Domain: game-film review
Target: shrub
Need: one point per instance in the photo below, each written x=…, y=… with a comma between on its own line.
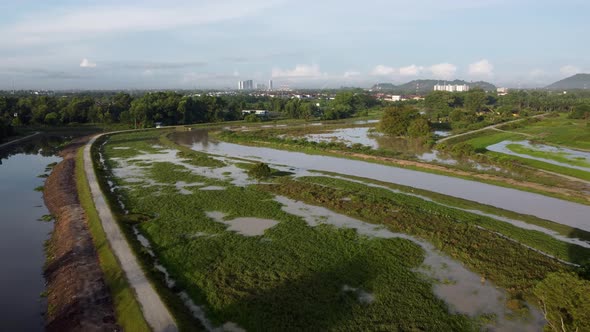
x=260, y=171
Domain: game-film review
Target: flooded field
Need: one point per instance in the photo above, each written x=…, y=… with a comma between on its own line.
x=568, y=213
x=462, y=289
x=23, y=235
x=244, y=234
x=550, y=154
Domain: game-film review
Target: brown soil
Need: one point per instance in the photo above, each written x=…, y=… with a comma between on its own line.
x=78, y=298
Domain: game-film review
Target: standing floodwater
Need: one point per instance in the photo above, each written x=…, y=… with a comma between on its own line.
x=23, y=236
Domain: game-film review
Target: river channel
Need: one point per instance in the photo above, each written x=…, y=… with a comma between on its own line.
x=560, y=211
x=22, y=234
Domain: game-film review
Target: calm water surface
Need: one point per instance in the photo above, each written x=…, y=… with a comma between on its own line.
x=22, y=237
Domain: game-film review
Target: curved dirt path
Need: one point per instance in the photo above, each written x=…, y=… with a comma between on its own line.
x=154, y=310
x=486, y=128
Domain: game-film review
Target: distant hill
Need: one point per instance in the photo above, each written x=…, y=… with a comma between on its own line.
x=383, y=87
x=426, y=86
x=578, y=81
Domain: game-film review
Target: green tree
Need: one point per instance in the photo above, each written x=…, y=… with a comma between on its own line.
x=396, y=120
x=419, y=128
x=475, y=100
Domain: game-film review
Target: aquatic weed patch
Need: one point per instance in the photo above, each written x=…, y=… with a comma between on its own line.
x=290, y=278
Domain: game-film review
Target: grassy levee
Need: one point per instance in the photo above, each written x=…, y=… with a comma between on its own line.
x=561, y=229
x=507, y=263
x=182, y=315
x=340, y=150
x=127, y=309
x=290, y=278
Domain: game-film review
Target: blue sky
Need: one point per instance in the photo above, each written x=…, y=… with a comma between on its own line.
x=109, y=44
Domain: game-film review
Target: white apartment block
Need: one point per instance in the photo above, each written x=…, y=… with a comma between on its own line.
x=452, y=87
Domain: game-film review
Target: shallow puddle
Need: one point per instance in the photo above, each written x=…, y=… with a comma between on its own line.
x=247, y=226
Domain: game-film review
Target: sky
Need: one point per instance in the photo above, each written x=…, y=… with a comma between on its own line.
x=181, y=44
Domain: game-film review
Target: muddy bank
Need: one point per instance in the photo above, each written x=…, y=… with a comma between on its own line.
x=78, y=298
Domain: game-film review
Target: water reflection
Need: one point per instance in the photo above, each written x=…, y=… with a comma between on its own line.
x=564, y=212
x=21, y=234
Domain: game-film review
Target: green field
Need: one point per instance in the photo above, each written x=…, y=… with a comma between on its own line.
x=293, y=276
x=560, y=131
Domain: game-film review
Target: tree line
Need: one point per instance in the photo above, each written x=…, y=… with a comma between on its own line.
x=169, y=108
x=476, y=108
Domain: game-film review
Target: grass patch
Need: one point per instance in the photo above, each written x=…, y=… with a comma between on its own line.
x=560, y=131
x=127, y=309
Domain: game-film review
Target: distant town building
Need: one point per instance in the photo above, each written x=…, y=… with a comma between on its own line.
x=396, y=98
x=452, y=87
x=246, y=85
x=502, y=91
x=257, y=112
x=260, y=86
x=270, y=85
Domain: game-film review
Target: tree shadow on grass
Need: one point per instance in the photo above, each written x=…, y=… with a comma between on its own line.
x=316, y=302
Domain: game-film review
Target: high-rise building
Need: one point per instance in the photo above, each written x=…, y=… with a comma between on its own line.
x=246, y=85
x=270, y=84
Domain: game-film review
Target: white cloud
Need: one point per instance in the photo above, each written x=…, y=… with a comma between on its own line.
x=569, y=70
x=537, y=73
x=300, y=71
x=443, y=70
x=87, y=63
x=411, y=70
x=482, y=68
x=351, y=73
x=86, y=22
x=382, y=70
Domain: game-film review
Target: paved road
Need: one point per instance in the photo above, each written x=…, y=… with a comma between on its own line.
x=485, y=128
x=154, y=310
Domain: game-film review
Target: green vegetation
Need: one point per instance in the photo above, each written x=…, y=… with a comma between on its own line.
x=291, y=278
x=260, y=171
x=454, y=232
x=47, y=218
x=403, y=121
x=127, y=309
x=564, y=300
x=560, y=130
